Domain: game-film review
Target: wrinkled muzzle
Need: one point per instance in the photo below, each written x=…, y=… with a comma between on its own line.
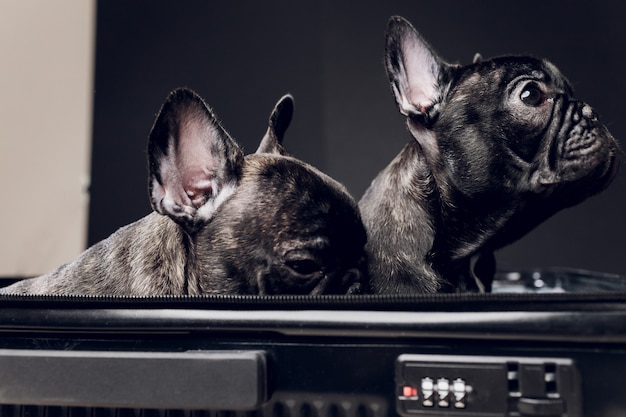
x=586, y=148
x=584, y=153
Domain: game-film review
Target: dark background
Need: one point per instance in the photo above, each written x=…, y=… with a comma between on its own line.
x=241, y=56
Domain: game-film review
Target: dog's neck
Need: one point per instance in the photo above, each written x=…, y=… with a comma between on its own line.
x=160, y=235
x=425, y=225
x=397, y=213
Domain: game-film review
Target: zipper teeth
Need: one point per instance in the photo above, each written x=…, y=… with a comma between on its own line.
x=407, y=302
x=417, y=302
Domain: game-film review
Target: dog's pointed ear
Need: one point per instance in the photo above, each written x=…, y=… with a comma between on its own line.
x=478, y=58
x=194, y=164
x=279, y=122
x=414, y=69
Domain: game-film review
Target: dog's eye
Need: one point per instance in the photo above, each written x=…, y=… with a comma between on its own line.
x=303, y=266
x=532, y=95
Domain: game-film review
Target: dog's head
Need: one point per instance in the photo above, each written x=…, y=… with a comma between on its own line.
x=502, y=134
x=265, y=223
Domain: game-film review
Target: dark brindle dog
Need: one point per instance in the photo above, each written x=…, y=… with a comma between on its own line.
x=499, y=146
x=261, y=224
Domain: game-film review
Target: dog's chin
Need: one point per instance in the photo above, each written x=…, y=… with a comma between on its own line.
x=588, y=168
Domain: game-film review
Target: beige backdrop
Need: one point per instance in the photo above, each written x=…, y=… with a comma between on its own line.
x=46, y=66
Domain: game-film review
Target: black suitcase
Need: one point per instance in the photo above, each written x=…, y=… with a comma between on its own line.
x=544, y=343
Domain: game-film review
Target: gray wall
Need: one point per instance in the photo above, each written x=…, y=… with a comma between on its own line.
x=243, y=55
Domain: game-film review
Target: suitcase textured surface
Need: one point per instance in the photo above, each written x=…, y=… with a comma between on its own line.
x=555, y=348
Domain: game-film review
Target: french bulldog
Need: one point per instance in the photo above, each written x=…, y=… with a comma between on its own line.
x=223, y=223
x=498, y=146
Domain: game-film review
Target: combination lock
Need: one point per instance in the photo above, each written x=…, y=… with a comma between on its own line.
x=441, y=385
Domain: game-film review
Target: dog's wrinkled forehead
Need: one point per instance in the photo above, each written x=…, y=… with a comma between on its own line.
x=501, y=71
x=295, y=194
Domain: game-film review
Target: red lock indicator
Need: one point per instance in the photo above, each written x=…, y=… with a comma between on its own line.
x=409, y=391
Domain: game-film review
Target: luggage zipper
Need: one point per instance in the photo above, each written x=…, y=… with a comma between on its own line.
x=383, y=302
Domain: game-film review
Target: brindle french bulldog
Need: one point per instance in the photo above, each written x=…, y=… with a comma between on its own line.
x=265, y=223
x=498, y=146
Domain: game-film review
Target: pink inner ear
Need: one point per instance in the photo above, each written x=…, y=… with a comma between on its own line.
x=198, y=186
x=196, y=164
x=421, y=73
